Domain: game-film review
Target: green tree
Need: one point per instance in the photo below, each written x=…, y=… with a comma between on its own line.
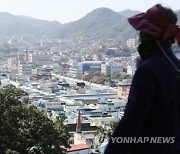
x=24, y=129
x=86, y=77
x=121, y=75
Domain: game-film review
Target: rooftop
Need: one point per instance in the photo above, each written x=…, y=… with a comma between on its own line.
x=78, y=147
x=84, y=126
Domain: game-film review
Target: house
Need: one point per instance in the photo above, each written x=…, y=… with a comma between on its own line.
x=124, y=88
x=79, y=149
x=81, y=133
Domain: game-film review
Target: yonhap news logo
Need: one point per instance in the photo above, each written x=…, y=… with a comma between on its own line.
x=158, y=140
x=99, y=139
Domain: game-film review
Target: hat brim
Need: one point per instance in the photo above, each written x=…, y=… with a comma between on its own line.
x=141, y=23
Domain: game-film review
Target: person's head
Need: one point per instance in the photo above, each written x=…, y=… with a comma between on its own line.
x=157, y=23
x=172, y=17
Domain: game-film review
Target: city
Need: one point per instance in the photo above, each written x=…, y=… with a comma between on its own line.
x=56, y=80
x=66, y=85
x=65, y=78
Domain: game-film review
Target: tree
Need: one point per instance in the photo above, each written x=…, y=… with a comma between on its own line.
x=116, y=75
x=24, y=129
x=121, y=75
x=97, y=79
x=86, y=77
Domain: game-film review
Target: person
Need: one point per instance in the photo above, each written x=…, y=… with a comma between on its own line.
x=151, y=121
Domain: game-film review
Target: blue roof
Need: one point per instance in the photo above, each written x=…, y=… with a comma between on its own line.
x=87, y=98
x=42, y=105
x=59, y=112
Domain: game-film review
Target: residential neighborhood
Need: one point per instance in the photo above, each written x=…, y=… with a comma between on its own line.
x=55, y=74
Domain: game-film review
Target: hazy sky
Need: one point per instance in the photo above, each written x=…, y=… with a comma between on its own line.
x=69, y=10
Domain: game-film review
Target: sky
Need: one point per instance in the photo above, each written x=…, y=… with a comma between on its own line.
x=66, y=11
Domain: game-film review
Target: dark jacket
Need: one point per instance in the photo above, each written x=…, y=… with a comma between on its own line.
x=152, y=110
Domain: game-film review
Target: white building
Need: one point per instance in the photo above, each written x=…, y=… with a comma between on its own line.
x=12, y=61
x=40, y=59
x=102, y=121
x=111, y=67
x=25, y=69
x=131, y=43
x=74, y=73
x=84, y=138
x=21, y=58
x=116, y=67
x=130, y=70
x=105, y=68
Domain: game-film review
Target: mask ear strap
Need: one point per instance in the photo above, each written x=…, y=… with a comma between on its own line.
x=167, y=57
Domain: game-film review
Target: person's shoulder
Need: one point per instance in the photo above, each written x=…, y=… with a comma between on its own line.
x=152, y=66
x=145, y=69
x=148, y=64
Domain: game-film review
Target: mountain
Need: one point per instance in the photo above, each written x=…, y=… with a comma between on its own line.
x=98, y=24
x=128, y=13
x=178, y=15
x=101, y=23
x=17, y=25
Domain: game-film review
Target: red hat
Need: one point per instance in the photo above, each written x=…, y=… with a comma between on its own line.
x=156, y=24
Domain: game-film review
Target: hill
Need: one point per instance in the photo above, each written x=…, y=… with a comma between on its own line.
x=98, y=24
x=101, y=23
x=178, y=15
x=128, y=13
x=17, y=25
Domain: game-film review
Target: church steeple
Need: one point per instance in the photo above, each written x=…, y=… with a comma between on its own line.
x=78, y=125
